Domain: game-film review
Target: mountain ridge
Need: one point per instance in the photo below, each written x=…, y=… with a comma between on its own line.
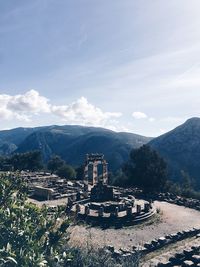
x=180, y=147
x=72, y=142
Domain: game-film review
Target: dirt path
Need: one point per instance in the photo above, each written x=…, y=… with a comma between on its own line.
x=173, y=218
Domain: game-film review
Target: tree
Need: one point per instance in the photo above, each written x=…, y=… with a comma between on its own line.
x=187, y=181
x=29, y=236
x=146, y=169
x=55, y=163
x=80, y=172
x=26, y=161
x=66, y=171
x=33, y=160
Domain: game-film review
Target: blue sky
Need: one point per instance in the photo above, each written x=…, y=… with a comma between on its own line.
x=126, y=65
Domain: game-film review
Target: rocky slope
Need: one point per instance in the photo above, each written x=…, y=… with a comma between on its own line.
x=181, y=149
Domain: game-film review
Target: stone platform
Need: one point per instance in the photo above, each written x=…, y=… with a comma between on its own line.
x=113, y=212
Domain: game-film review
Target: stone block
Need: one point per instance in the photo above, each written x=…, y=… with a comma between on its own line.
x=162, y=240
x=187, y=232
x=180, y=255
x=117, y=253
x=196, y=230
x=101, y=211
x=129, y=211
x=134, y=247
x=168, y=237
x=188, y=264
x=138, y=209
x=116, y=212
x=196, y=258
x=124, y=250
x=149, y=246
x=126, y=255
x=110, y=248
x=165, y=264
x=174, y=260
x=188, y=252
x=155, y=244
x=174, y=237
x=78, y=208
x=195, y=248
x=87, y=210
x=146, y=207
x=141, y=249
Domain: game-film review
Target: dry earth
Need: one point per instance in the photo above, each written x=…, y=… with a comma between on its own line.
x=172, y=218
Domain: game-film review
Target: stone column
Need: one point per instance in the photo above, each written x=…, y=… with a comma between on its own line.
x=138, y=209
x=87, y=210
x=105, y=172
x=78, y=208
x=129, y=211
x=116, y=212
x=83, y=209
x=95, y=173
x=151, y=203
x=86, y=175
x=101, y=211
x=146, y=207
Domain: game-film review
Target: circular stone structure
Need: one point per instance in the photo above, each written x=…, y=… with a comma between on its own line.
x=121, y=209
x=113, y=212
x=107, y=205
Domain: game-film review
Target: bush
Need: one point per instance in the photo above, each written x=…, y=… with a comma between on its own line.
x=100, y=258
x=29, y=237
x=66, y=171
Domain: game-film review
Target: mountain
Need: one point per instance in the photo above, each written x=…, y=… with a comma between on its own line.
x=72, y=143
x=10, y=139
x=181, y=149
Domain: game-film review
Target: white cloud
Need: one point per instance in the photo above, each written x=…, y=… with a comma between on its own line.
x=24, y=106
x=84, y=113
x=139, y=115
x=31, y=101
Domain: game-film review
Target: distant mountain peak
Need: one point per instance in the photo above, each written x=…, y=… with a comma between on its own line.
x=192, y=121
x=181, y=149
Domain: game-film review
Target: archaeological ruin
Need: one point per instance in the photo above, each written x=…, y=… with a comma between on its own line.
x=92, y=199
x=106, y=204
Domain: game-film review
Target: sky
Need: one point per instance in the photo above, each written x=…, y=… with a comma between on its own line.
x=126, y=65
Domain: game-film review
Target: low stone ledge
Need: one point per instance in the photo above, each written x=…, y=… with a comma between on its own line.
x=196, y=259
x=165, y=264
x=188, y=263
x=155, y=244
x=188, y=252
x=117, y=253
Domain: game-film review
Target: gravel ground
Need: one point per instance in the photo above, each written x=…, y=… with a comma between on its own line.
x=171, y=219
